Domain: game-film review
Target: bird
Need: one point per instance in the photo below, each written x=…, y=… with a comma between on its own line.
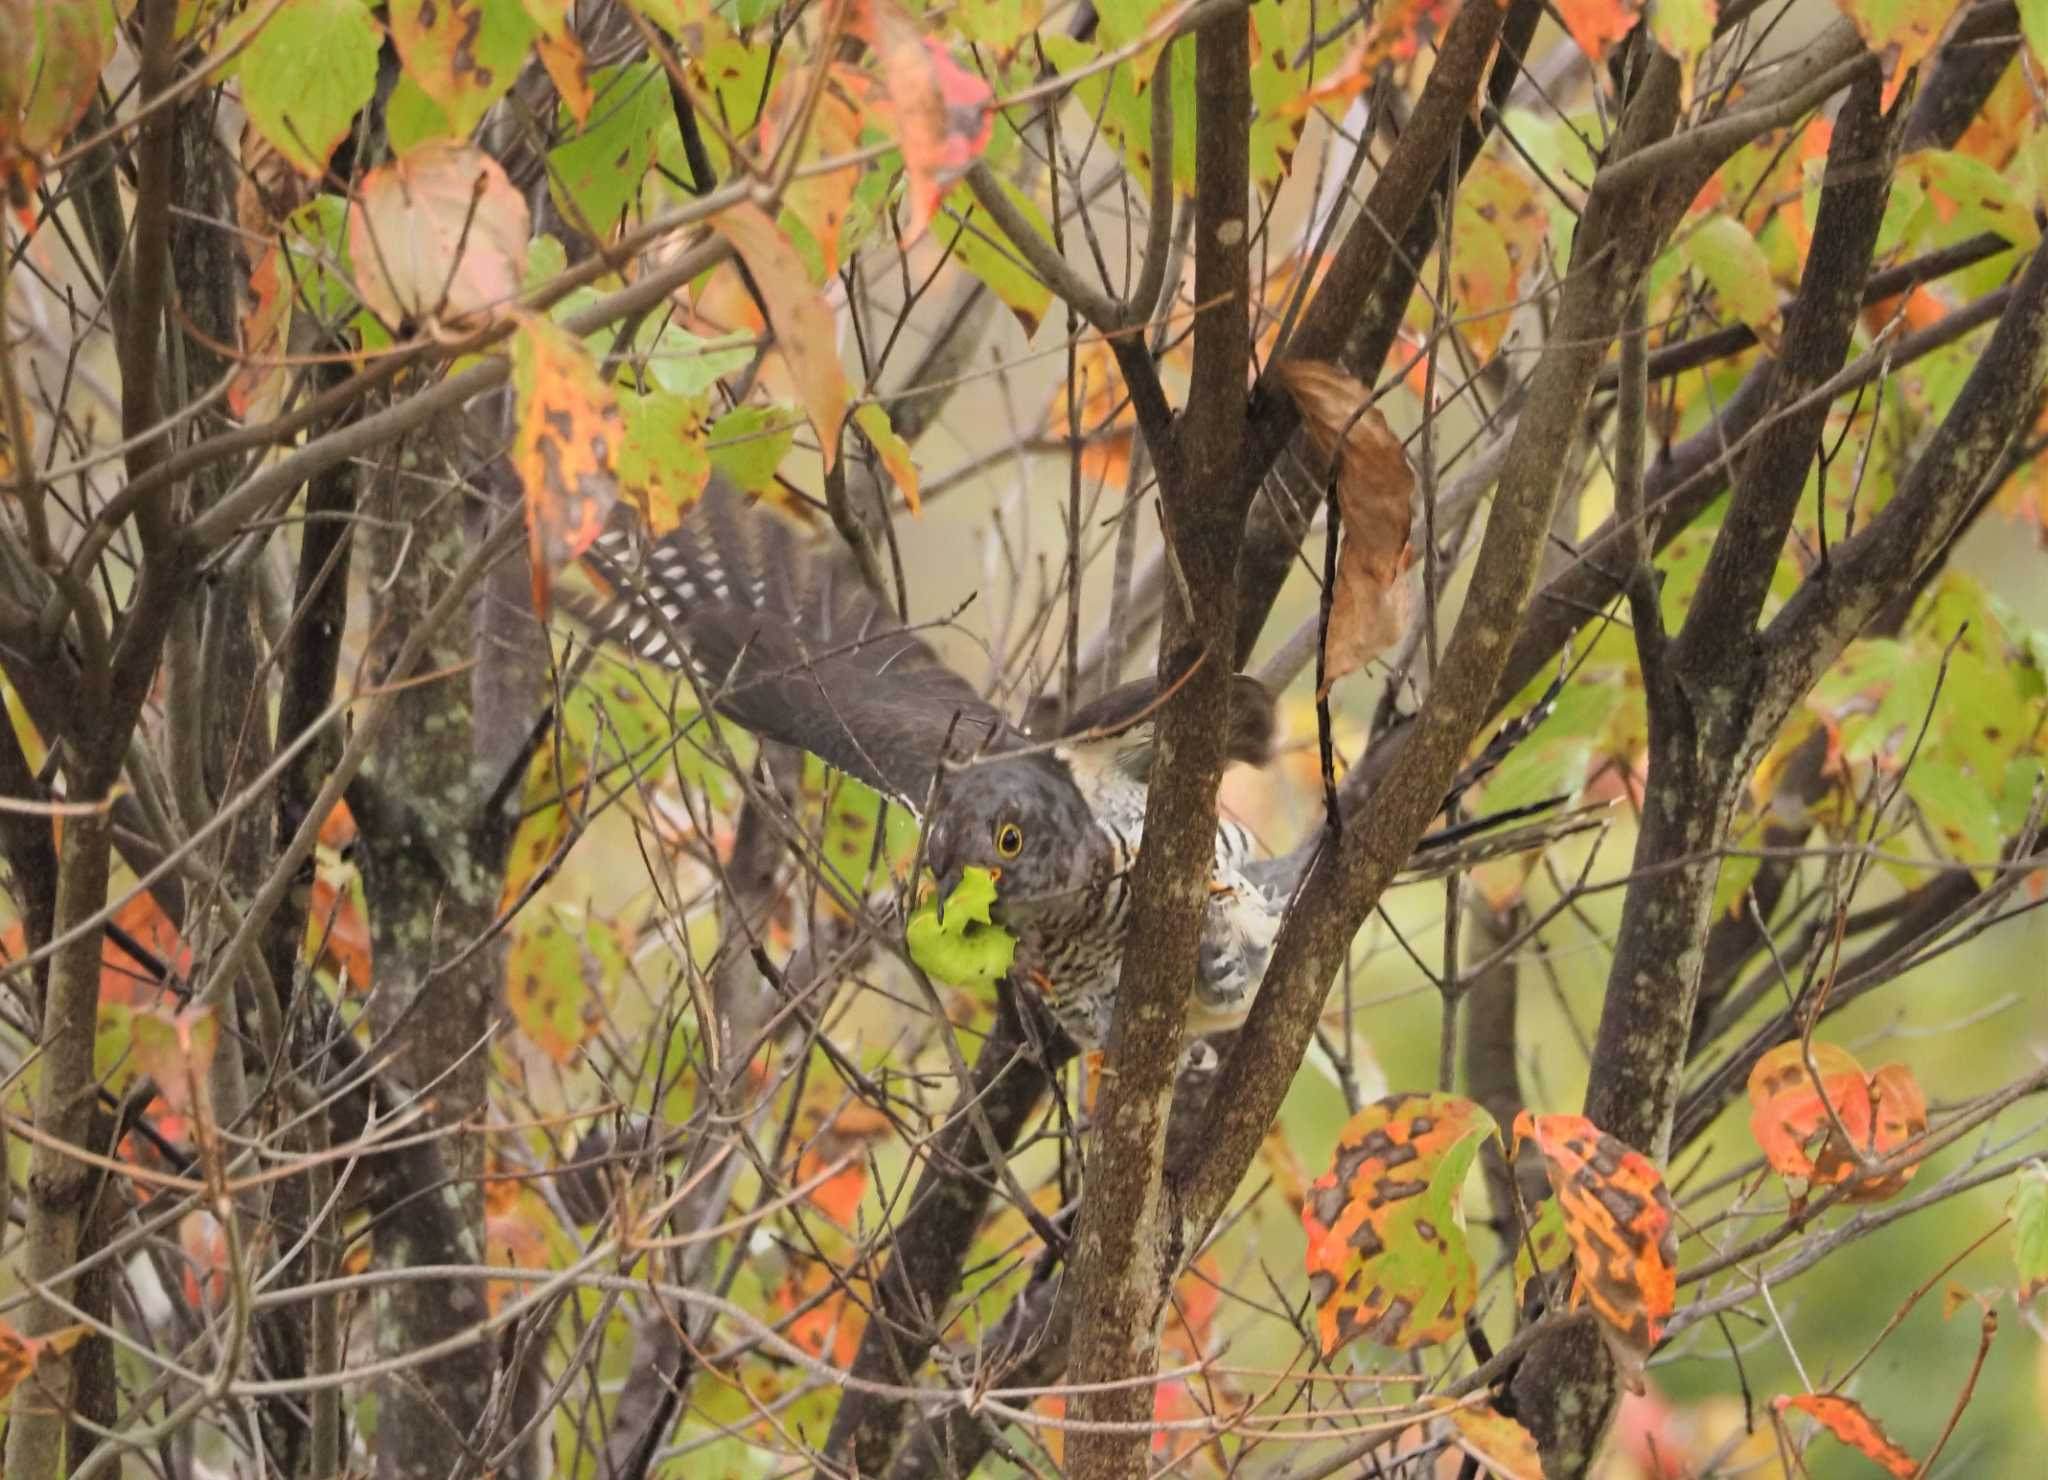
x=798, y=648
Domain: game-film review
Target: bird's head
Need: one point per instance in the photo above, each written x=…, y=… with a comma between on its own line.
x=1021, y=818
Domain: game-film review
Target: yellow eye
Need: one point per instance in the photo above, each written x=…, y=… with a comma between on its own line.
x=1009, y=839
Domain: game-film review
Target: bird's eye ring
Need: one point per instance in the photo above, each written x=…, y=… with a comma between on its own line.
x=1009, y=839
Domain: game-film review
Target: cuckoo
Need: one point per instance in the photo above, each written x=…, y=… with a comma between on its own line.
x=798, y=649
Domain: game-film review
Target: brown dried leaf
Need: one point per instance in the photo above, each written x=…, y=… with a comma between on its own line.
x=1369, y=607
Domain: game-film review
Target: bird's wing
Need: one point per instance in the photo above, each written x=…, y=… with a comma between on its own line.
x=790, y=646
x=1123, y=720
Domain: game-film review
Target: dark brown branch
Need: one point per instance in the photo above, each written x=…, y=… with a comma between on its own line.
x=1116, y=1285
x=931, y=1242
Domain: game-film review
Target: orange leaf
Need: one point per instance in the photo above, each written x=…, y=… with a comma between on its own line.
x=19, y=1354
x=337, y=930
x=516, y=1223
x=805, y=331
x=566, y=435
x=1800, y=1138
x=561, y=53
x=829, y=1328
x=1846, y=1420
x=1623, y=1228
x=438, y=236
x=258, y=387
x=203, y=1239
x=819, y=200
x=943, y=112
x=1369, y=608
x=1499, y=1443
x=1106, y=419
x=1595, y=23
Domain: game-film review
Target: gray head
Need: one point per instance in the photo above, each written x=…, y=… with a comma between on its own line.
x=1021, y=818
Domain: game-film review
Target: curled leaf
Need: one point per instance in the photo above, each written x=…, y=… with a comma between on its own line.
x=1369, y=607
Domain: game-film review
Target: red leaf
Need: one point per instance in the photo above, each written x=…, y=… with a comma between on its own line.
x=566, y=436
x=1623, y=1229
x=438, y=235
x=1846, y=1420
x=943, y=115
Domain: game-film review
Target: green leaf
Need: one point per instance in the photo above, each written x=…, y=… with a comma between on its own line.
x=307, y=73
x=1727, y=256
x=984, y=251
x=1968, y=196
x=1957, y=808
x=316, y=239
x=596, y=173
x=687, y=366
x=51, y=80
x=412, y=118
x=1554, y=759
x=851, y=814
x=967, y=949
x=2030, y=1231
x=662, y=464
x=465, y=54
x=748, y=444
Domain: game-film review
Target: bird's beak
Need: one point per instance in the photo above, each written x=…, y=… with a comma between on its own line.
x=949, y=880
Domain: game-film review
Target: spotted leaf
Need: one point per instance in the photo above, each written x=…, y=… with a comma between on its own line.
x=565, y=441
x=1623, y=1229
x=463, y=54
x=1386, y=1238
